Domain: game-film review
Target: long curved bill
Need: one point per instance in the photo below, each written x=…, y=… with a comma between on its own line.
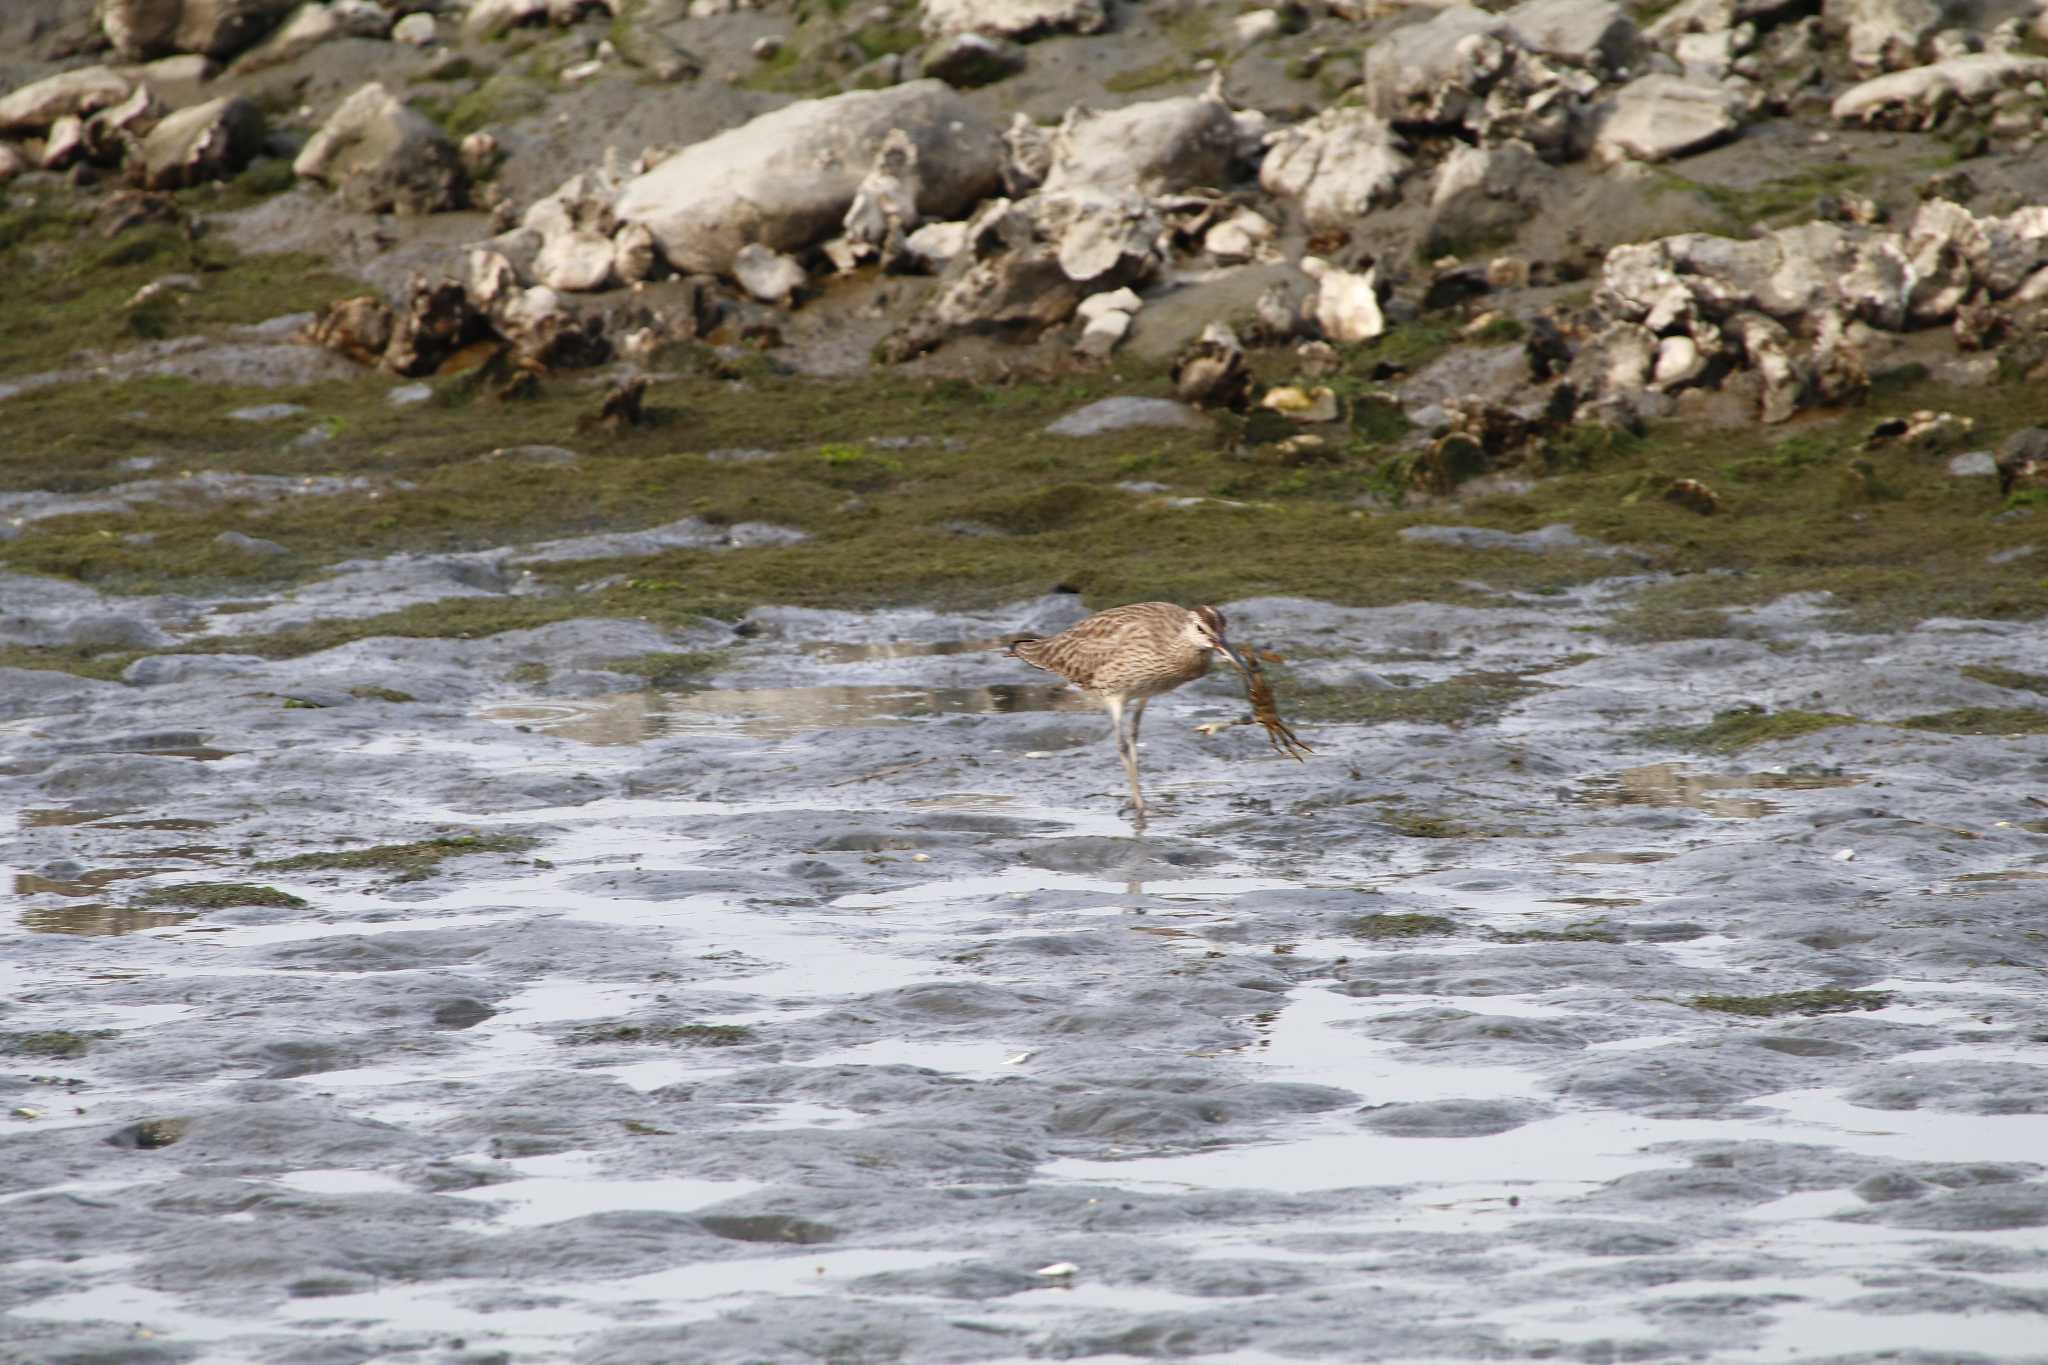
x=1236, y=660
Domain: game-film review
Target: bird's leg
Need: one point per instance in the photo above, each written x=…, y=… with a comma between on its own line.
x=1127, y=750
x=1137, y=715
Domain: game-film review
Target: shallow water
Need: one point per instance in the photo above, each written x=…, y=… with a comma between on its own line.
x=846, y=1020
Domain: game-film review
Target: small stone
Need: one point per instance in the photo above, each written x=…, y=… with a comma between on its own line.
x=1110, y=301
x=1301, y=405
x=251, y=545
x=1124, y=414
x=766, y=47
x=415, y=30
x=405, y=395
x=766, y=273
x=1973, y=464
x=266, y=412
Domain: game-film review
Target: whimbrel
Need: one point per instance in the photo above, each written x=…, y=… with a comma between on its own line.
x=1125, y=656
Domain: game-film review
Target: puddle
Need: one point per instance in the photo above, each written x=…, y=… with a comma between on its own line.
x=101, y=920
x=837, y=652
x=1674, y=784
x=773, y=712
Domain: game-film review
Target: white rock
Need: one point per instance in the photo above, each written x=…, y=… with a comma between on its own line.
x=380, y=154
x=1248, y=30
x=787, y=179
x=936, y=245
x=1885, y=35
x=884, y=206
x=1301, y=405
x=1011, y=18
x=1338, y=166
x=1240, y=237
x=64, y=143
x=1103, y=332
x=1911, y=93
x=1346, y=307
x=1098, y=233
x=489, y=18
x=415, y=30
x=1678, y=359
x=574, y=262
x=1655, y=118
x=766, y=273
x=1590, y=33
x=634, y=254
x=37, y=105
x=1111, y=301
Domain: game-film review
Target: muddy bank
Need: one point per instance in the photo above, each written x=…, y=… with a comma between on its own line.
x=400, y=998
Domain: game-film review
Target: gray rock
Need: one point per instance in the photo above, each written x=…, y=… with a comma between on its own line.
x=786, y=179
x=210, y=141
x=1596, y=34
x=1418, y=74
x=306, y=28
x=1124, y=414
x=1655, y=118
x=1973, y=464
x=691, y=533
x=574, y=261
x=1885, y=35
x=267, y=412
x=1556, y=538
x=34, y=107
x=1903, y=98
x=968, y=60
x=405, y=395
x=140, y=29
x=768, y=275
x=1337, y=166
x=383, y=156
x=1153, y=147
x=1484, y=193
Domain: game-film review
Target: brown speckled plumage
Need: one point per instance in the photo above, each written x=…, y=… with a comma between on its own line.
x=1137, y=651
x=1127, y=655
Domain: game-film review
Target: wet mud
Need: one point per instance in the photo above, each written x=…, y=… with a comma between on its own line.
x=823, y=1007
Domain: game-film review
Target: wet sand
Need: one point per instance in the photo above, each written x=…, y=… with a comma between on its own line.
x=832, y=1012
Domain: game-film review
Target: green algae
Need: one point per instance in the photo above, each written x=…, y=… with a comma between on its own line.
x=667, y=669
x=1745, y=727
x=1827, y=1000
x=219, y=895
x=53, y=1044
x=71, y=290
x=1982, y=720
x=1406, y=925
x=2011, y=679
x=1594, y=931
x=411, y=862
x=689, y=1035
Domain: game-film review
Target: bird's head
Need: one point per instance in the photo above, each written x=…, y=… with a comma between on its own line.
x=1208, y=627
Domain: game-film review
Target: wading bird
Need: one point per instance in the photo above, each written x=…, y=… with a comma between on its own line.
x=1125, y=656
